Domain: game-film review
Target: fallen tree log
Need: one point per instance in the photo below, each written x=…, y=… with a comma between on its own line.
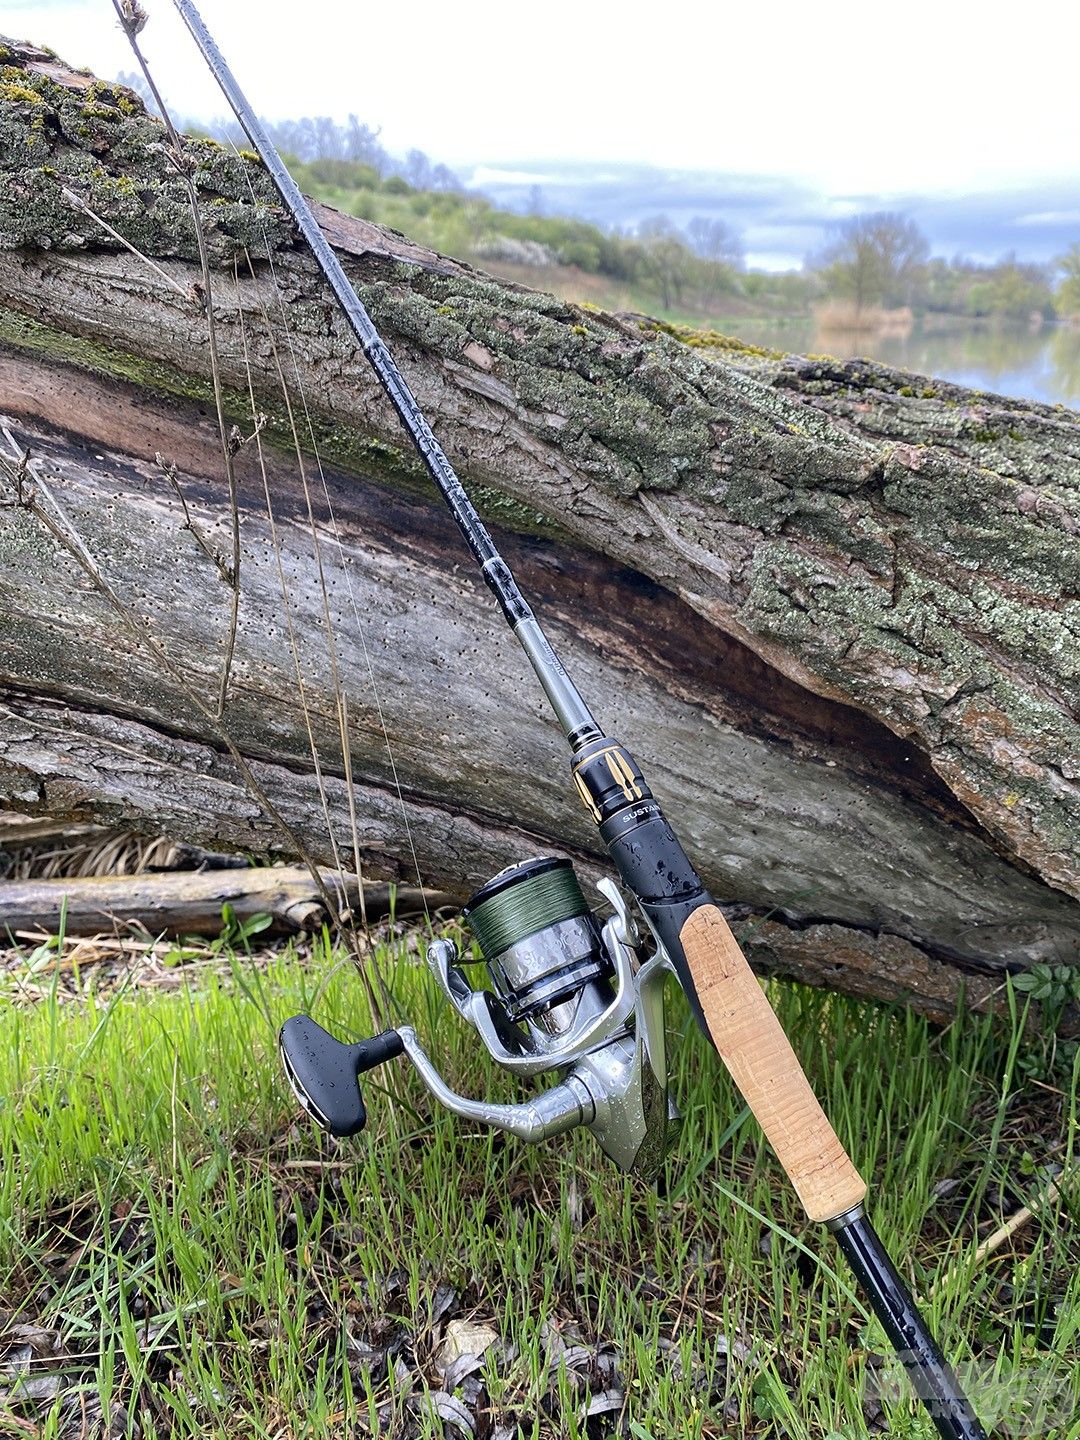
x=187, y=902
x=834, y=608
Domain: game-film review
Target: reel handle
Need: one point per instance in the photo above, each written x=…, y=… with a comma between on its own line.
x=323, y=1072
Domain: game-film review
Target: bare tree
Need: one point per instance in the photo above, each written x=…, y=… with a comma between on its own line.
x=714, y=239
x=876, y=259
x=361, y=143
x=443, y=178
x=417, y=170
x=666, y=256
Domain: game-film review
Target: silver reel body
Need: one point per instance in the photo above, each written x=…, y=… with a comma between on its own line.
x=605, y=1037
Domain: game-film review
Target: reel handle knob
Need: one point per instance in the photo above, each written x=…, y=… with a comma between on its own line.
x=323, y=1072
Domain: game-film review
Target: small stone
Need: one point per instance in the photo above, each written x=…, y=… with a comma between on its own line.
x=464, y=1337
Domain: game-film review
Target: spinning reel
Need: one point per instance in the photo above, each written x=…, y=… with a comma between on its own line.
x=569, y=994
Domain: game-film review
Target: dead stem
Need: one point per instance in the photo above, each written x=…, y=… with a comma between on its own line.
x=133, y=18
x=80, y=204
x=168, y=469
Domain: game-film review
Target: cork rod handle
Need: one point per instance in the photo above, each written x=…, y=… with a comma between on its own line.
x=752, y=1044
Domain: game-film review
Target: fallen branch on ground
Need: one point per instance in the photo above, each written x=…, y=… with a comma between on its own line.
x=190, y=903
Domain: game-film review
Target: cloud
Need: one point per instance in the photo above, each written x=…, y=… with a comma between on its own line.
x=493, y=175
x=1050, y=217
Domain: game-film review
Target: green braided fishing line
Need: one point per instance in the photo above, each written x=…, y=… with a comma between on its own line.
x=522, y=910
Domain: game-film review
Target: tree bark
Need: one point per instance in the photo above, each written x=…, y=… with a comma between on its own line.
x=833, y=608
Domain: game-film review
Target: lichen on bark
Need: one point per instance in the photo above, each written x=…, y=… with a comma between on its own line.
x=61, y=131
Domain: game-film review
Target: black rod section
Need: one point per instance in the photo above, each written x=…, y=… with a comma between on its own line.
x=571, y=710
x=931, y=1375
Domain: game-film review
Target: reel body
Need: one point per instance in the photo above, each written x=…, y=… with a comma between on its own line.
x=569, y=994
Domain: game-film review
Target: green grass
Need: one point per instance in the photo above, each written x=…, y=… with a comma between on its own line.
x=209, y=1265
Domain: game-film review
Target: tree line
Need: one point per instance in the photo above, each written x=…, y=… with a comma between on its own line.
x=883, y=260
x=873, y=261
x=683, y=270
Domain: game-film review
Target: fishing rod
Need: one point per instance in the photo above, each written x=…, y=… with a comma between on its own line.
x=578, y=997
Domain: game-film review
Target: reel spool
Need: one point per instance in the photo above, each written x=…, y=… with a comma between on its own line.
x=541, y=942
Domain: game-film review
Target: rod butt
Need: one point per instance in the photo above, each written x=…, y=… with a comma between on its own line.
x=931, y=1375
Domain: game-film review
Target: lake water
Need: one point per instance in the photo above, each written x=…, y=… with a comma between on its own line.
x=1039, y=364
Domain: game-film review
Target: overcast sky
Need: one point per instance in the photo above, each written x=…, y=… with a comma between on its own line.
x=850, y=97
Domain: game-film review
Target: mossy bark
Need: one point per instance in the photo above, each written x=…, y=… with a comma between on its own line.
x=834, y=606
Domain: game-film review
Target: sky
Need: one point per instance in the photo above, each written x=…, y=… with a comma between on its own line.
x=843, y=100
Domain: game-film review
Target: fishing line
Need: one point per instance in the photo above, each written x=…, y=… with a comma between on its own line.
x=344, y=915
x=343, y=911
x=335, y=535
x=287, y=608
x=132, y=19
x=337, y=687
